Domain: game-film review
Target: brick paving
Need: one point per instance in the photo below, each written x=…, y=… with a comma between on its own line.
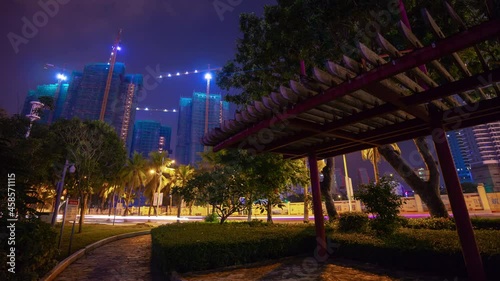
x=125, y=259
x=129, y=259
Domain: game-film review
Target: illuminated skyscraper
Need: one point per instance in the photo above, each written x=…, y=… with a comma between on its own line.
x=86, y=93
x=191, y=125
x=150, y=136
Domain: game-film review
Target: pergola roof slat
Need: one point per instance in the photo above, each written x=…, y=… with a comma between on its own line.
x=357, y=107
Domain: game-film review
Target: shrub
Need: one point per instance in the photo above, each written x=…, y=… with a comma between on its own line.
x=485, y=223
x=353, y=222
x=35, y=248
x=380, y=200
x=420, y=249
x=431, y=223
x=213, y=217
x=196, y=246
x=448, y=223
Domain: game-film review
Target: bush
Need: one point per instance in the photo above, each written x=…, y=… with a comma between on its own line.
x=353, y=222
x=35, y=249
x=485, y=223
x=420, y=249
x=212, y=218
x=380, y=200
x=196, y=246
x=431, y=223
x=449, y=223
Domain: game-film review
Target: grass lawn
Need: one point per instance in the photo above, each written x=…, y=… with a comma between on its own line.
x=92, y=233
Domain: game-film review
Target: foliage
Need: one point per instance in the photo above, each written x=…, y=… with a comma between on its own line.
x=97, y=152
x=159, y=176
x=212, y=218
x=133, y=174
x=35, y=249
x=429, y=223
x=449, y=223
x=419, y=249
x=28, y=159
x=353, y=222
x=198, y=246
x=262, y=176
x=380, y=200
x=312, y=31
x=183, y=175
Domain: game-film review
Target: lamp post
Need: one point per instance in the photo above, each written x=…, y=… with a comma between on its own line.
x=208, y=76
x=59, y=189
x=159, y=187
x=60, y=78
x=33, y=116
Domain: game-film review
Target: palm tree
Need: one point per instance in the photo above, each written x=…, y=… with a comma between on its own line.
x=133, y=173
x=159, y=164
x=372, y=155
x=182, y=174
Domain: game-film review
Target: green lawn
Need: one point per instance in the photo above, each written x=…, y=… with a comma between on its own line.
x=92, y=233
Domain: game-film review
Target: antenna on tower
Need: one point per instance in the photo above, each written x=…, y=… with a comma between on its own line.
x=111, y=62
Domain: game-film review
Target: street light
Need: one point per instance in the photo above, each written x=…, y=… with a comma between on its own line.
x=33, y=116
x=59, y=189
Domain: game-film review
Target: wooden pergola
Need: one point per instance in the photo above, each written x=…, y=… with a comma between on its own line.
x=376, y=101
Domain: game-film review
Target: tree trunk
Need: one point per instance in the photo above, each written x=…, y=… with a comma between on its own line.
x=82, y=211
x=428, y=190
x=150, y=205
x=269, y=212
x=306, y=204
x=327, y=187
x=179, y=206
x=112, y=201
x=139, y=197
x=249, y=208
x=128, y=201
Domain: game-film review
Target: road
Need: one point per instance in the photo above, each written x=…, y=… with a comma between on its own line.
x=276, y=218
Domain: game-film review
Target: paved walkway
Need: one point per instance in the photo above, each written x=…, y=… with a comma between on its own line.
x=129, y=259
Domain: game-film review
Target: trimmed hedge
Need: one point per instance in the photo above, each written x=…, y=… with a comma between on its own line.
x=353, y=222
x=419, y=249
x=449, y=224
x=198, y=246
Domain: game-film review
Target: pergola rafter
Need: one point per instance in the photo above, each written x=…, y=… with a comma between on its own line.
x=380, y=100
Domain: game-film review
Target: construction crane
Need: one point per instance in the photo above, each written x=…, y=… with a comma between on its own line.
x=61, y=77
x=111, y=62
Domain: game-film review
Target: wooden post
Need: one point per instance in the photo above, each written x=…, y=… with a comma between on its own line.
x=318, y=210
x=468, y=243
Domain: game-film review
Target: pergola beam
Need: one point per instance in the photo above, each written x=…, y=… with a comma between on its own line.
x=421, y=56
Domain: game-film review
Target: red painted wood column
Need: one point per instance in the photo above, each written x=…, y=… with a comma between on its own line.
x=470, y=250
x=317, y=207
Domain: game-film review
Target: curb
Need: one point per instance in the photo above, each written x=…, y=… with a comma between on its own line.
x=78, y=254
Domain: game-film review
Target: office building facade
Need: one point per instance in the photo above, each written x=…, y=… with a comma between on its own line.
x=151, y=136
x=192, y=122
x=86, y=94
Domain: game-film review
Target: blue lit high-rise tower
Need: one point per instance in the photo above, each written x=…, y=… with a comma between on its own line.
x=86, y=93
x=150, y=136
x=191, y=124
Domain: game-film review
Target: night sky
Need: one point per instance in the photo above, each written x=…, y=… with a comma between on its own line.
x=166, y=34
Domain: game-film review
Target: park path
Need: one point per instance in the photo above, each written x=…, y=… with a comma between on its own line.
x=129, y=259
